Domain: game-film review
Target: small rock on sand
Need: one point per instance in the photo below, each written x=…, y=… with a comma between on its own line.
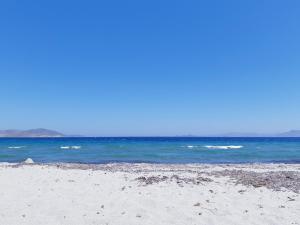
x=291, y=199
x=29, y=161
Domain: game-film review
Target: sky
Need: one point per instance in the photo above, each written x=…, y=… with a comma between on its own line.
x=150, y=68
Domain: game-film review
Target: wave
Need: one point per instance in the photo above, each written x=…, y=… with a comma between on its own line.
x=191, y=146
x=71, y=147
x=223, y=146
x=16, y=147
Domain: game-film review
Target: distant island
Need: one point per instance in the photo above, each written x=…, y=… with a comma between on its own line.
x=291, y=133
x=44, y=133
x=40, y=132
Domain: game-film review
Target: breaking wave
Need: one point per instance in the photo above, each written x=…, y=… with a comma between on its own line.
x=191, y=146
x=223, y=146
x=71, y=147
x=16, y=147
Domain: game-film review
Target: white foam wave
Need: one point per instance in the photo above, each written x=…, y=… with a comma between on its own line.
x=16, y=147
x=71, y=147
x=191, y=146
x=224, y=146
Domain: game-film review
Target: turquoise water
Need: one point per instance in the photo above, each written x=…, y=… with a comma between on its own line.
x=151, y=150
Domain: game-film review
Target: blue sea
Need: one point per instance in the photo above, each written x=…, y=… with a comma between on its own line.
x=151, y=150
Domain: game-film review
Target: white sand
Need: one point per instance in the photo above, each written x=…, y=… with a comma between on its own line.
x=34, y=194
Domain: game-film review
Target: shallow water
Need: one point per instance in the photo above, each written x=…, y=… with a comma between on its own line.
x=151, y=150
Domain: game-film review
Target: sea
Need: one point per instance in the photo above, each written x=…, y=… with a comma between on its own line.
x=169, y=150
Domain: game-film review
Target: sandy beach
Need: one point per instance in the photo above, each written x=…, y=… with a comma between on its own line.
x=129, y=194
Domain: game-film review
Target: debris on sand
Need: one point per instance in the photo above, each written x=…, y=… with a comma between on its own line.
x=179, y=180
x=151, y=179
x=275, y=180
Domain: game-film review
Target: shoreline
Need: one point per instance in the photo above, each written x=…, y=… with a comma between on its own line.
x=154, y=164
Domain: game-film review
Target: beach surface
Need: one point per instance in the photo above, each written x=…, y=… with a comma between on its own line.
x=135, y=194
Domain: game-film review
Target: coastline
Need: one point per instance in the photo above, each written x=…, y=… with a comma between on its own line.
x=159, y=167
x=126, y=193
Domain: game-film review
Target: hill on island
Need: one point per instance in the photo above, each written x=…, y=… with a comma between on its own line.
x=291, y=133
x=40, y=132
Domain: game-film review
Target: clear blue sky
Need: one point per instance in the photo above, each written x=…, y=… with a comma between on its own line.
x=150, y=67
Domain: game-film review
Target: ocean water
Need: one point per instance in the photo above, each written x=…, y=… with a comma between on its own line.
x=151, y=150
